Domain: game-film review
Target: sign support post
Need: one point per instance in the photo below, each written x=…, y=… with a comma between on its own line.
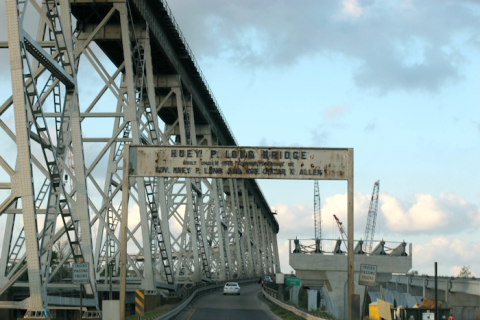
x=81, y=277
x=350, y=274
x=81, y=295
x=110, y=275
x=123, y=230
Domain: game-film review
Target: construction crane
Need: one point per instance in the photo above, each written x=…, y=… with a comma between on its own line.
x=372, y=218
x=317, y=218
x=343, y=233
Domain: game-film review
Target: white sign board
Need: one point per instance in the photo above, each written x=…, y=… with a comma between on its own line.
x=80, y=273
x=384, y=309
x=368, y=275
x=428, y=316
x=280, y=278
x=239, y=162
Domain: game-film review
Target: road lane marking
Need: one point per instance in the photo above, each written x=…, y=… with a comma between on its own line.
x=191, y=314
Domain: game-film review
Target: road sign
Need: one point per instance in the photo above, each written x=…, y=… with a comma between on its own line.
x=368, y=275
x=290, y=281
x=239, y=162
x=139, y=303
x=279, y=278
x=428, y=316
x=80, y=273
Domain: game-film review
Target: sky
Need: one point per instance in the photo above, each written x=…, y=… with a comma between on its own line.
x=395, y=80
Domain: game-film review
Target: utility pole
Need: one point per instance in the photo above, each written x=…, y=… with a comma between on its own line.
x=317, y=218
x=350, y=257
x=436, y=289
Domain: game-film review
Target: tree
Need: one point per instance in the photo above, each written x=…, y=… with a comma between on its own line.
x=465, y=272
x=412, y=273
x=60, y=251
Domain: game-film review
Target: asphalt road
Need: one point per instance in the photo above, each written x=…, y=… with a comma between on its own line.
x=246, y=306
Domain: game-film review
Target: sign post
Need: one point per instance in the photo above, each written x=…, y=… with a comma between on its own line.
x=236, y=163
x=81, y=277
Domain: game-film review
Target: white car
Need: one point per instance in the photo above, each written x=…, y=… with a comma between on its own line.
x=231, y=288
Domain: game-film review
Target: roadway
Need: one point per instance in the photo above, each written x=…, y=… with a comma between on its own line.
x=213, y=306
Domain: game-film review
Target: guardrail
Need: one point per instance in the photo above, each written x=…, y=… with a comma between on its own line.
x=288, y=307
x=191, y=295
x=272, y=292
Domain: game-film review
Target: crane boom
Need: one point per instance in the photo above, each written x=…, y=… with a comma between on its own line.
x=317, y=214
x=343, y=233
x=372, y=218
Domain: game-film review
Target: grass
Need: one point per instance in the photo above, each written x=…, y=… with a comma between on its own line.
x=148, y=314
x=284, y=314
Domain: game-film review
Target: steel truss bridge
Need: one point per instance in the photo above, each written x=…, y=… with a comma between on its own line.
x=93, y=76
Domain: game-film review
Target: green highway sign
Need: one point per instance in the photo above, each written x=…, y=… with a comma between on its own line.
x=290, y=281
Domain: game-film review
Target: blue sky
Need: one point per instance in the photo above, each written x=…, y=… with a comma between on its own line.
x=396, y=80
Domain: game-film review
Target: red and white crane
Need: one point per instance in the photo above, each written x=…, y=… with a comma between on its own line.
x=343, y=233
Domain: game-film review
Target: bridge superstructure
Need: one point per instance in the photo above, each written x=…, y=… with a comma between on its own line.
x=462, y=295
x=96, y=76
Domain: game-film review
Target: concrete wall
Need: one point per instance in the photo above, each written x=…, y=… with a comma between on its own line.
x=465, y=306
x=329, y=272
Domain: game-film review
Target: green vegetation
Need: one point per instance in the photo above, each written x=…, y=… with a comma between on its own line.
x=148, y=314
x=303, y=304
x=465, y=272
x=284, y=314
x=412, y=273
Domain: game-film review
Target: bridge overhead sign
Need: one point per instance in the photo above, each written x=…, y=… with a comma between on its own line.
x=239, y=162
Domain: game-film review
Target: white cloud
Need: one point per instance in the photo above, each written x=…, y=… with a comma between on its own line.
x=455, y=270
x=447, y=251
x=448, y=213
x=334, y=112
x=261, y=34
x=475, y=217
x=351, y=8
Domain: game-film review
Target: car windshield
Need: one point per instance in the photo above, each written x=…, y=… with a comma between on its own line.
x=232, y=284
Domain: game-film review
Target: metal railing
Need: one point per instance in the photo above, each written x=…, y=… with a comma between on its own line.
x=271, y=288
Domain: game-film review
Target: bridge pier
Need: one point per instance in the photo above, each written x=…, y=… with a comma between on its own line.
x=312, y=299
x=329, y=271
x=294, y=291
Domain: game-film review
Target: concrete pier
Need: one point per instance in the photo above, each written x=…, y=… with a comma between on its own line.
x=329, y=273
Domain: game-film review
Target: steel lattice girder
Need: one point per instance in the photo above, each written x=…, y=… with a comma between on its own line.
x=186, y=231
